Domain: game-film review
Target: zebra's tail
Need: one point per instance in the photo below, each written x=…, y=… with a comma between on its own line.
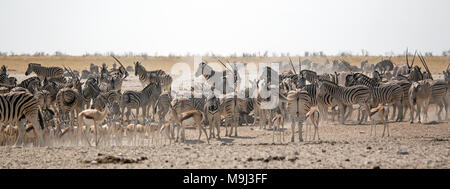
x=41, y=120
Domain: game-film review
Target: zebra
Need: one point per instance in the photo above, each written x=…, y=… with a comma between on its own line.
x=142, y=99
x=60, y=80
x=229, y=109
x=298, y=103
x=439, y=89
x=90, y=90
x=44, y=72
x=319, y=99
x=156, y=76
x=3, y=70
x=346, y=96
x=69, y=101
x=383, y=66
x=159, y=76
x=53, y=89
x=419, y=95
x=163, y=105
x=15, y=107
x=405, y=85
x=215, y=79
x=213, y=112
x=43, y=96
x=19, y=89
x=312, y=76
x=389, y=93
x=8, y=81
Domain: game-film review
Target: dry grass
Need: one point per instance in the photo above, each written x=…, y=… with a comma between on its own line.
x=18, y=64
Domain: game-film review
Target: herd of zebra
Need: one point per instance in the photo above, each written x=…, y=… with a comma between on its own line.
x=50, y=102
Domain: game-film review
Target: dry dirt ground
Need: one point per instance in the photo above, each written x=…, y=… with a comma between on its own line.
x=341, y=146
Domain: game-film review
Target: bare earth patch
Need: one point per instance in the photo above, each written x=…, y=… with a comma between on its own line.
x=342, y=146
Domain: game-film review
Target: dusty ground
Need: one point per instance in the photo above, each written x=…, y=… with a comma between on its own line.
x=341, y=146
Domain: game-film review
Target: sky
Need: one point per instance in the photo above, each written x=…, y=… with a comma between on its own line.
x=76, y=27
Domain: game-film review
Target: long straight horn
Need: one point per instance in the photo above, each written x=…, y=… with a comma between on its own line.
x=292, y=65
x=407, y=62
x=425, y=65
x=414, y=58
x=224, y=65
x=299, y=64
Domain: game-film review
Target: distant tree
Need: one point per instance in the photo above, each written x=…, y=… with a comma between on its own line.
x=364, y=52
x=446, y=53
x=345, y=54
x=144, y=55
x=58, y=53
x=39, y=54
x=306, y=53
x=428, y=54
x=266, y=54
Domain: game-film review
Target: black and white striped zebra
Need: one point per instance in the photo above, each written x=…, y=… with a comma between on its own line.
x=161, y=77
x=90, y=90
x=346, y=96
x=388, y=93
x=162, y=107
x=439, y=89
x=216, y=79
x=312, y=76
x=69, y=102
x=143, y=99
x=3, y=70
x=44, y=72
x=155, y=76
x=212, y=111
x=7, y=81
x=16, y=107
x=299, y=103
x=321, y=100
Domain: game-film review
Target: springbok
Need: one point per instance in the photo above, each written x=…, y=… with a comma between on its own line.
x=380, y=114
x=190, y=117
x=92, y=117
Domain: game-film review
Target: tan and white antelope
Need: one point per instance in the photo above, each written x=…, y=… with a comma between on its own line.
x=278, y=122
x=91, y=117
x=190, y=117
x=379, y=114
x=314, y=117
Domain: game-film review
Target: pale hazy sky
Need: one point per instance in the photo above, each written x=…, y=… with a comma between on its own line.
x=224, y=26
